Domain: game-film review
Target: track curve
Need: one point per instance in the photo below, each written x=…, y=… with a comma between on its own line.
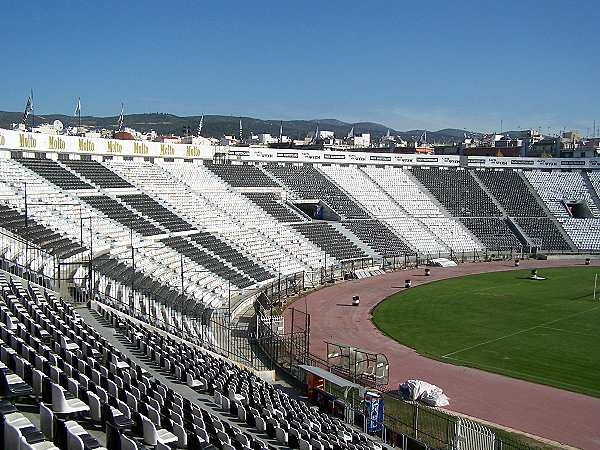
x=555, y=414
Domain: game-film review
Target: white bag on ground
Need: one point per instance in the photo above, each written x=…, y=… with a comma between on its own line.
x=434, y=398
x=428, y=393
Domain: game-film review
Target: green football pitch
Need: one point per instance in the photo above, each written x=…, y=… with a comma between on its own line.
x=543, y=331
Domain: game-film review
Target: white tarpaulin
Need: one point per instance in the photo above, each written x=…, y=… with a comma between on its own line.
x=425, y=392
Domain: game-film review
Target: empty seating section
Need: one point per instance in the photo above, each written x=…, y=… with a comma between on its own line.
x=556, y=188
x=121, y=214
x=158, y=275
x=493, y=232
x=207, y=261
x=398, y=184
x=457, y=191
x=330, y=240
x=55, y=173
x=453, y=233
x=378, y=237
x=109, y=227
x=246, y=220
x=47, y=239
x=585, y=233
x=543, y=233
x=383, y=207
x=151, y=208
x=97, y=174
x=594, y=177
x=54, y=207
x=274, y=257
x=561, y=190
x=512, y=192
x=207, y=204
x=307, y=182
x=126, y=275
x=238, y=175
x=167, y=186
x=276, y=208
x=49, y=351
x=231, y=255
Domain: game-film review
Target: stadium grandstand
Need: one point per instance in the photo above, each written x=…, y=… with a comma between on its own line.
x=143, y=293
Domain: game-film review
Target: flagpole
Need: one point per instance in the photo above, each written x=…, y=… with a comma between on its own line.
x=79, y=108
x=32, y=111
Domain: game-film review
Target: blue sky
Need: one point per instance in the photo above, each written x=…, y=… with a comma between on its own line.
x=428, y=64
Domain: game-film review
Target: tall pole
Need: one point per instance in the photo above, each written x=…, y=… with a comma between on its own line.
x=132, y=264
x=229, y=316
x=90, y=271
x=32, y=111
x=79, y=110
x=26, y=223
x=182, y=282
x=80, y=226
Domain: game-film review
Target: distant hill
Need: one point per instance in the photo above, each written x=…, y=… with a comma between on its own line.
x=217, y=126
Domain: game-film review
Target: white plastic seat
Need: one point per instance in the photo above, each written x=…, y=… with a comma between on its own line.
x=46, y=421
x=128, y=443
x=152, y=436
x=61, y=405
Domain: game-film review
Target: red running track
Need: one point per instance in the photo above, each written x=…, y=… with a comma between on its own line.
x=555, y=414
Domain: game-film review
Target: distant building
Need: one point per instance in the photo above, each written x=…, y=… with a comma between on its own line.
x=228, y=141
x=508, y=142
x=169, y=139
x=364, y=140
x=47, y=128
x=589, y=148
x=547, y=147
x=528, y=139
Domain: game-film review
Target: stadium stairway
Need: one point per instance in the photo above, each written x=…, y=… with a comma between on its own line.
x=485, y=189
x=549, y=214
x=518, y=232
x=512, y=224
x=352, y=237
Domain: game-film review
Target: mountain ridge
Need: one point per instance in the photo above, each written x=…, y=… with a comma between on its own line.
x=219, y=125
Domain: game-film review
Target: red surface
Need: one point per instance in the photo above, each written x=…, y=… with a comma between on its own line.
x=545, y=411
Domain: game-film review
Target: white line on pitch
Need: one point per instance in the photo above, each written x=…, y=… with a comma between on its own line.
x=520, y=332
